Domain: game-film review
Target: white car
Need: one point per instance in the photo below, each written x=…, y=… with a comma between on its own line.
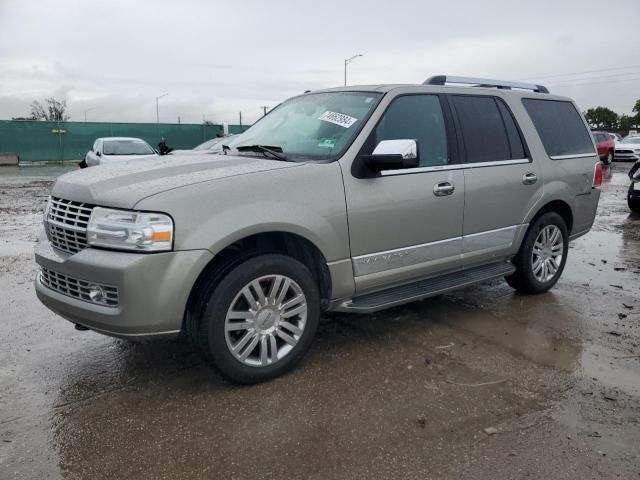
x=117, y=149
x=616, y=136
x=210, y=146
x=628, y=149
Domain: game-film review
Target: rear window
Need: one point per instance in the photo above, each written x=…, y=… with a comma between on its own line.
x=560, y=127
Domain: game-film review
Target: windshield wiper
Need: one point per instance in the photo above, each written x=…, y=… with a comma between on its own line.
x=274, y=151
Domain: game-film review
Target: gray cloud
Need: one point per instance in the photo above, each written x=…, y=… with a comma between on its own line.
x=218, y=58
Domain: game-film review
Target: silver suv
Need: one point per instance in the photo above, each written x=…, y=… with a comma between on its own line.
x=349, y=199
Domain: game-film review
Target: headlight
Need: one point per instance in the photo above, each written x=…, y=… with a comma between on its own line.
x=127, y=230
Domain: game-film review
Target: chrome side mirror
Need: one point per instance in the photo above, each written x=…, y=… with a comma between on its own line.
x=394, y=155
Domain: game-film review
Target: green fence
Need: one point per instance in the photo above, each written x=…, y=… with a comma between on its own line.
x=35, y=141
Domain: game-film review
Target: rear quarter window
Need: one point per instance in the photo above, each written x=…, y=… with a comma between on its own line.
x=560, y=127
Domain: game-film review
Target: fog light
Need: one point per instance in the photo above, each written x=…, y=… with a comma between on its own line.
x=97, y=293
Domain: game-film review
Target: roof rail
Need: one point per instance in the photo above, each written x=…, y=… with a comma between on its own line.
x=484, y=82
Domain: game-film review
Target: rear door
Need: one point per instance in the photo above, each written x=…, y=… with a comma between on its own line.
x=501, y=182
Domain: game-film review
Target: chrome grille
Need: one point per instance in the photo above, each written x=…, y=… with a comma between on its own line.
x=622, y=150
x=67, y=224
x=80, y=289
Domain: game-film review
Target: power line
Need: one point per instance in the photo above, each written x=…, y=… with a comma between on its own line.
x=579, y=73
x=594, y=83
x=602, y=77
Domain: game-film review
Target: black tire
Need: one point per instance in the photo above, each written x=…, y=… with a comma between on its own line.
x=524, y=280
x=634, y=206
x=609, y=158
x=214, y=300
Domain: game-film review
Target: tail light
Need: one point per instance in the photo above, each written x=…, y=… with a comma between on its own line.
x=597, y=175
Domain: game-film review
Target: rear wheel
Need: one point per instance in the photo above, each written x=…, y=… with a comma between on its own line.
x=542, y=255
x=609, y=158
x=260, y=319
x=634, y=206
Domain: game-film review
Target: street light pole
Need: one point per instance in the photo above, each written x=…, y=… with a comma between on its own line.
x=157, y=109
x=347, y=61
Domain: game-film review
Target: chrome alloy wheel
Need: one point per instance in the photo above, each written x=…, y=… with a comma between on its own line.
x=266, y=320
x=546, y=257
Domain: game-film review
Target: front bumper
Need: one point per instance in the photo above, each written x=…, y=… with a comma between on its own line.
x=626, y=156
x=153, y=289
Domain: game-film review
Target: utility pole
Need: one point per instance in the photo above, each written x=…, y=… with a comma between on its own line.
x=347, y=61
x=178, y=119
x=157, y=109
x=85, y=113
x=240, y=118
x=264, y=109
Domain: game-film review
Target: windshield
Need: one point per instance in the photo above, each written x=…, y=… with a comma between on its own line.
x=208, y=144
x=631, y=140
x=315, y=126
x=126, y=147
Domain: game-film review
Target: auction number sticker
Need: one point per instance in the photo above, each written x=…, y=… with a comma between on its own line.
x=338, y=118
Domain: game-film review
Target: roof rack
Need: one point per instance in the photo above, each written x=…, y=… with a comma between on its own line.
x=484, y=82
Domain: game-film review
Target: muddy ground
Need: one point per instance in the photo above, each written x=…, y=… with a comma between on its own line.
x=407, y=393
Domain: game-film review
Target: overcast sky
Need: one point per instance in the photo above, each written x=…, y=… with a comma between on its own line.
x=216, y=58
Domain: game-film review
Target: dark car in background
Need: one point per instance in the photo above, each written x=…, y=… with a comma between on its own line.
x=605, y=145
x=633, y=195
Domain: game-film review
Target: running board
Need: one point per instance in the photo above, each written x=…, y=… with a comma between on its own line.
x=372, y=302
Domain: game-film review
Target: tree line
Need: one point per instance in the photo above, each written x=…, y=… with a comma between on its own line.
x=606, y=119
x=52, y=111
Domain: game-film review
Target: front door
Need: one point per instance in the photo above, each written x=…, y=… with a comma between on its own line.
x=407, y=224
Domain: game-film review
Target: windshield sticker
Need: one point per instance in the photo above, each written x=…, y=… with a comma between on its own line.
x=338, y=118
x=327, y=142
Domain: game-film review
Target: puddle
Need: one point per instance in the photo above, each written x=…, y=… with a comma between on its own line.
x=523, y=335
x=606, y=367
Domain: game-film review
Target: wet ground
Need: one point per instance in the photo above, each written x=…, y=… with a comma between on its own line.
x=406, y=393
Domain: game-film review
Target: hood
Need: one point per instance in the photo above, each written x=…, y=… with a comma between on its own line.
x=628, y=146
x=124, y=184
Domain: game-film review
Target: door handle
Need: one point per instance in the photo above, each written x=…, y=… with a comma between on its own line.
x=443, y=188
x=529, y=178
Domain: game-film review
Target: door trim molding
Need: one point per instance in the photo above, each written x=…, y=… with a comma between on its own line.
x=387, y=260
x=402, y=257
x=456, y=166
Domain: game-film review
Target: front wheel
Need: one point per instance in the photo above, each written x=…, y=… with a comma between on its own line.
x=542, y=255
x=260, y=319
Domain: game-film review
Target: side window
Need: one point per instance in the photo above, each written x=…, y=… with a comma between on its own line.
x=559, y=126
x=484, y=130
x=515, y=140
x=416, y=117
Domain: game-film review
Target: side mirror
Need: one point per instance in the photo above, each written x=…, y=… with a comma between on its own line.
x=393, y=155
x=98, y=153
